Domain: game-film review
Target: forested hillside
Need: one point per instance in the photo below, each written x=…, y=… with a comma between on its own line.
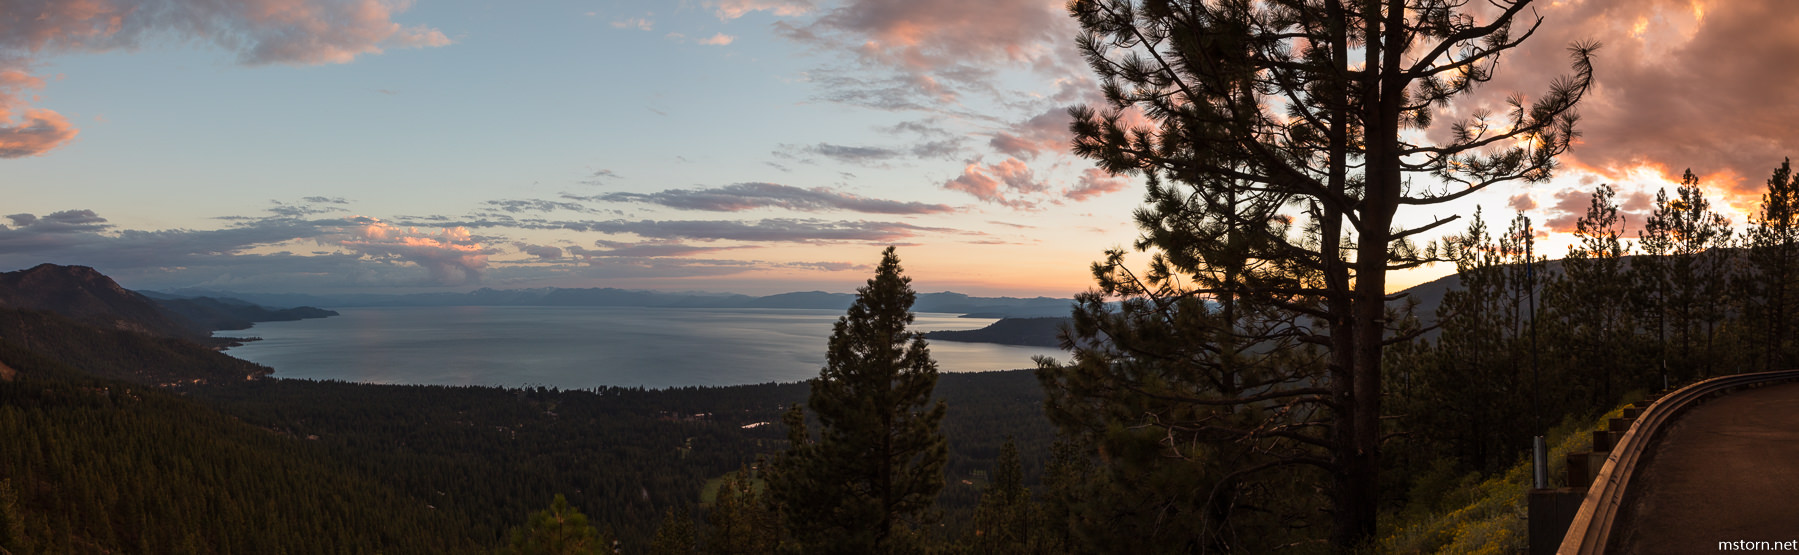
x=108, y=431
x=93, y=465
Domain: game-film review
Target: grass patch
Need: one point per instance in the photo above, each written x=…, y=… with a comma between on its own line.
x=709, y=492
x=1483, y=515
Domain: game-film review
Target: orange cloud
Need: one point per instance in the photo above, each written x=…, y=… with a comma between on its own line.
x=1681, y=84
x=302, y=32
x=37, y=131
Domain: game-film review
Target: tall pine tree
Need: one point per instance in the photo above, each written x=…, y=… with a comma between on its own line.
x=866, y=482
x=1768, y=284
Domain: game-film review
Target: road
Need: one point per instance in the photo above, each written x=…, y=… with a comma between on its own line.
x=1726, y=471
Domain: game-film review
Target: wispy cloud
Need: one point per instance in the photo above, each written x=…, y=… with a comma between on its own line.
x=1094, y=182
x=1045, y=132
x=656, y=248
x=638, y=23
x=733, y=9
x=745, y=196
x=516, y=206
x=542, y=252
x=774, y=230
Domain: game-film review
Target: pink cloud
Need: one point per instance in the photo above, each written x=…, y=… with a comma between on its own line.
x=934, y=44
x=33, y=131
x=1701, y=84
x=452, y=256
x=733, y=9
x=38, y=132
x=638, y=23
x=1095, y=182
x=720, y=39
x=998, y=183
x=259, y=32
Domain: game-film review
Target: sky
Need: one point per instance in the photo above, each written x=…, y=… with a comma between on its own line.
x=750, y=146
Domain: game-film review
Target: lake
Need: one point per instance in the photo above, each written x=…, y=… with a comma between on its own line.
x=582, y=347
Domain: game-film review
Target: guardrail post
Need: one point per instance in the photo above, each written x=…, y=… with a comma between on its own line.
x=1551, y=511
x=1578, y=475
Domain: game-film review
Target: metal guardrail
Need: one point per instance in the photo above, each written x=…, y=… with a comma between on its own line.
x=1591, y=530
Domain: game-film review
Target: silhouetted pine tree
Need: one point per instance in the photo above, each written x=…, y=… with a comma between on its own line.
x=1768, y=284
x=866, y=482
x=1324, y=107
x=1682, y=290
x=1198, y=384
x=1594, y=330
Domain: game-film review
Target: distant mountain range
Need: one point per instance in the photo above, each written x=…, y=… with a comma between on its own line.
x=946, y=302
x=85, y=295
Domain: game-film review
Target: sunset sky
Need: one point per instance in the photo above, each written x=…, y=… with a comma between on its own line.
x=753, y=146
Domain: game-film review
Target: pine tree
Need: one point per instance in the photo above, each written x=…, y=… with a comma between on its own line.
x=1484, y=352
x=1769, y=282
x=1684, y=237
x=1336, y=111
x=1197, y=382
x=676, y=535
x=1003, y=521
x=1590, y=307
x=12, y=521
x=559, y=530
x=740, y=523
x=866, y=482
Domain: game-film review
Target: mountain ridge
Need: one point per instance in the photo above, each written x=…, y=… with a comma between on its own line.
x=946, y=301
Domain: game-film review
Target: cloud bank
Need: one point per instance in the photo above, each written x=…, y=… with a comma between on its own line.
x=745, y=196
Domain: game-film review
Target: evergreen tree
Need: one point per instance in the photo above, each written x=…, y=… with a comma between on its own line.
x=12, y=521
x=1484, y=352
x=1005, y=520
x=1685, y=297
x=866, y=482
x=1322, y=107
x=676, y=535
x=560, y=529
x=1595, y=332
x=1069, y=470
x=740, y=522
x=1194, y=384
x=1769, y=283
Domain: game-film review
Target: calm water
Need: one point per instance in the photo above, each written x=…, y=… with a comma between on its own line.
x=582, y=347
